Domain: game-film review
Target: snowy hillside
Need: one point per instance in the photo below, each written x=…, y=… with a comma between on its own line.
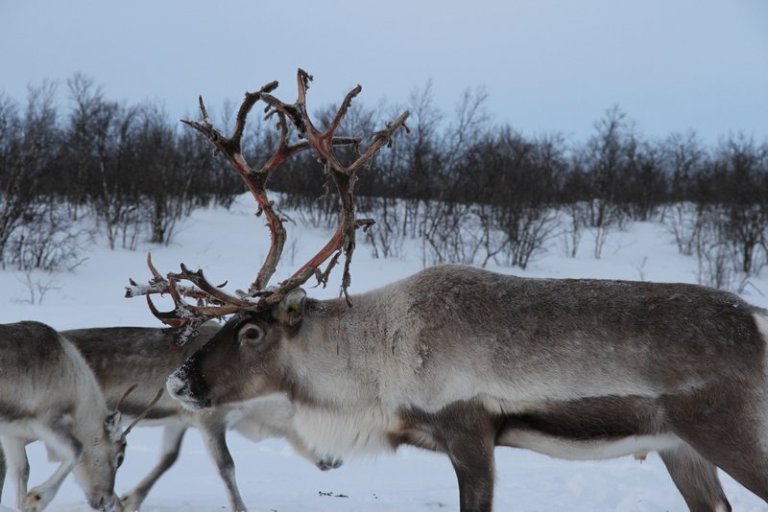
x=230, y=245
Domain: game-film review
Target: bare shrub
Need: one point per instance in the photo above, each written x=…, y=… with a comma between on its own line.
x=38, y=284
x=527, y=230
x=443, y=228
x=573, y=222
x=685, y=221
x=28, y=145
x=45, y=241
x=385, y=237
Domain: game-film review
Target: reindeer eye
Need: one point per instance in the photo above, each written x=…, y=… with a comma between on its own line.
x=251, y=334
x=120, y=458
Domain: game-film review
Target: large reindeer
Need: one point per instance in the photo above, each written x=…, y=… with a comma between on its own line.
x=119, y=356
x=49, y=393
x=460, y=360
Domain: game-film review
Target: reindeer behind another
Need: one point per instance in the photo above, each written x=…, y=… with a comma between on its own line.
x=120, y=356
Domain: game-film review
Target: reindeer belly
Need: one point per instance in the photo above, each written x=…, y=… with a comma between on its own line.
x=592, y=449
x=590, y=428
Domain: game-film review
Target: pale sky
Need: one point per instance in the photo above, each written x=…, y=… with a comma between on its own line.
x=547, y=65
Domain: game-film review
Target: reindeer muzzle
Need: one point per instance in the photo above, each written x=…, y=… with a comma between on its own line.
x=180, y=388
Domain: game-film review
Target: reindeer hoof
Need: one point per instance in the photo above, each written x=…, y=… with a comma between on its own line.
x=329, y=463
x=131, y=503
x=36, y=500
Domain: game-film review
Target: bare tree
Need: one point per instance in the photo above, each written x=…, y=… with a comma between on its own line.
x=27, y=154
x=606, y=158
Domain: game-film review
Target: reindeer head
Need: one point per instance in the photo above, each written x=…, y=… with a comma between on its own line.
x=240, y=361
x=253, y=340
x=98, y=464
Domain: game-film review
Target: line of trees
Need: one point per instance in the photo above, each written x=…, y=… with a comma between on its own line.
x=472, y=191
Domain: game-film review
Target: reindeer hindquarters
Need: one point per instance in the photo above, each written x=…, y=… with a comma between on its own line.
x=729, y=432
x=696, y=479
x=173, y=435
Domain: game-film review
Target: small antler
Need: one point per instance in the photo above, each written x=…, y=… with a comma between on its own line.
x=144, y=413
x=125, y=395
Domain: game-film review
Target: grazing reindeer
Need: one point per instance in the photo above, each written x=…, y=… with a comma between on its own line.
x=460, y=360
x=48, y=393
x=120, y=356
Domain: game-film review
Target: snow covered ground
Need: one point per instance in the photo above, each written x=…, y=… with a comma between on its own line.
x=230, y=245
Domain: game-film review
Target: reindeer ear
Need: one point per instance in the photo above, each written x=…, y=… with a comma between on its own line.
x=112, y=423
x=290, y=310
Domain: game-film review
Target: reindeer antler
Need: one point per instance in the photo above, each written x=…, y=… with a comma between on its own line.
x=144, y=413
x=254, y=179
x=343, y=176
x=214, y=302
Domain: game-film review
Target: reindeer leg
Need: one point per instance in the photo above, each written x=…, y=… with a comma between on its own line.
x=467, y=434
x=58, y=436
x=473, y=461
x=214, y=436
x=729, y=433
x=16, y=458
x=2, y=472
x=469, y=437
x=744, y=459
x=696, y=479
x=169, y=453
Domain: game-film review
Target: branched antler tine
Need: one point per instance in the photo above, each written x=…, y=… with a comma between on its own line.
x=203, y=110
x=338, y=241
x=275, y=106
x=342, y=111
x=343, y=239
x=185, y=314
x=304, y=125
x=308, y=269
x=303, y=78
x=208, y=312
x=245, y=107
x=144, y=413
x=380, y=139
x=282, y=152
x=170, y=318
x=199, y=280
x=322, y=277
x=254, y=180
x=152, y=267
x=364, y=223
x=200, y=314
x=336, y=141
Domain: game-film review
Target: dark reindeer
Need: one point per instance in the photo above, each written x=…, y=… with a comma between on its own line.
x=460, y=360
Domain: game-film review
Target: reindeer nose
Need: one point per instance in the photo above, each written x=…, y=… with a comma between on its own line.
x=177, y=385
x=106, y=503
